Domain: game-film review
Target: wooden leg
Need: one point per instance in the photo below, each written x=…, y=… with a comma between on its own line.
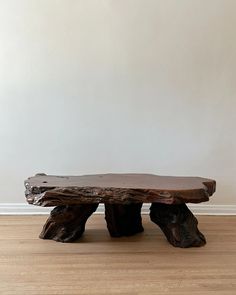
x=123, y=220
x=67, y=223
x=178, y=224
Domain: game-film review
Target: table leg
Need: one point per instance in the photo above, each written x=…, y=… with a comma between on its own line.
x=123, y=220
x=67, y=223
x=178, y=224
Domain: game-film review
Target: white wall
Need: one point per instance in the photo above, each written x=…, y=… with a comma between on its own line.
x=93, y=86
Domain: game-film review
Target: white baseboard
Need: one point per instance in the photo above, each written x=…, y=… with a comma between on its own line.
x=198, y=209
x=22, y=209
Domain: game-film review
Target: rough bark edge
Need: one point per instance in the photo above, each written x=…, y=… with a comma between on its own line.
x=75, y=195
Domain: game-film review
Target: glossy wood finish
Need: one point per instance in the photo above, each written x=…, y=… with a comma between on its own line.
x=77, y=197
x=98, y=264
x=46, y=190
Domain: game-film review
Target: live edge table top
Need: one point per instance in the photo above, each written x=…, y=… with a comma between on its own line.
x=47, y=190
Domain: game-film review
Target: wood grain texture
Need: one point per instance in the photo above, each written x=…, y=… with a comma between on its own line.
x=98, y=264
x=123, y=220
x=45, y=190
x=67, y=223
x=178, y=224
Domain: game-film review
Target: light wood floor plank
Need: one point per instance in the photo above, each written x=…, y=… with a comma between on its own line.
x=98, y=264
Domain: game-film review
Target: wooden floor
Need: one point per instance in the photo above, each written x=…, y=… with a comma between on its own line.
x=98, y=264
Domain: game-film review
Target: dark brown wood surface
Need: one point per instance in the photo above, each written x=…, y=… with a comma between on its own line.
x=178, y=224
x=67, y=223
x=47, y=190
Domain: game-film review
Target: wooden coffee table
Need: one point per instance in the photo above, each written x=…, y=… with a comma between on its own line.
x=77, y=197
